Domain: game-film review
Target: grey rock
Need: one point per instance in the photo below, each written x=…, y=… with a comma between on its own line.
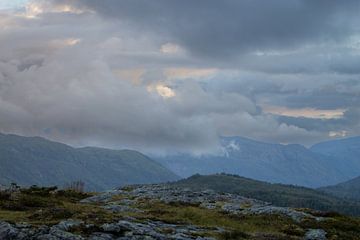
x=120, y=208
x=295, y=215
x=315, y=234
x=104, y=197
x=66, y=225
x=114, y=228
x=63, y=235
x=101, y=236
x=22, y=225
x=208, y=205
x=7, y=231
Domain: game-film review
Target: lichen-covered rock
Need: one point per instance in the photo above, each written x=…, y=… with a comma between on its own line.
x=101, y=236
x=104, y=197
x=115, y=208
x=58, y=234
x=295, y=215
x=7, y=231
x=66, y=225
x=315, y=234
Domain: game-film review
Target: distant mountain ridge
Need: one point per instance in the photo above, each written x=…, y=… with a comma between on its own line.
x=345, y=154
x=276, y=163
x=349, y=189
x=278, y=194
x=35, y=160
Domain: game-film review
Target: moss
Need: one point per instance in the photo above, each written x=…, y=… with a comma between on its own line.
x=340, y=227
x=293, y=230
x=38, y=191
x=234, y=235
x=13, y=216
x=71, y=195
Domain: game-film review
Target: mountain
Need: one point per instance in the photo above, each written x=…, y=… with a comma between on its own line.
x=276, y=163
x=35, y=160
x=344, y=152
x=277, y=194
x=349, y=189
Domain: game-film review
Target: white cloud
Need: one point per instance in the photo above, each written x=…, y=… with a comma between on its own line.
x=170, y=48
x=305, y=112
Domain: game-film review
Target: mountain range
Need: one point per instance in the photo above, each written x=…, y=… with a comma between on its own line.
x=37, y=161
x=323, y=164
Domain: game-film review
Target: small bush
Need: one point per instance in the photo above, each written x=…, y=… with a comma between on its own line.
x=293, y=230
x=72, y=195
x=5, y=195
x=29, y=201
x=39, y=191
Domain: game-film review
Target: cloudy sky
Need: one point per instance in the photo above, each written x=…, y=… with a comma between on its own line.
x=174, y=75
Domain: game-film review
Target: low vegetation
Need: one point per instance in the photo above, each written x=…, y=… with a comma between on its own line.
x=251, y=226
x=277, y=194
x=46, y=205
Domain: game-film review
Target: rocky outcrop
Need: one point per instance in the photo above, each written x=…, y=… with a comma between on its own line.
x=152, y=230
x=127, y=200
x=26, y=231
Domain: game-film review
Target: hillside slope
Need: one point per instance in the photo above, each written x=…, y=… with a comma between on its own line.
x=161, y=211
x=276, y=163
x=277, y=194
x=35, y=160
x=349, y=189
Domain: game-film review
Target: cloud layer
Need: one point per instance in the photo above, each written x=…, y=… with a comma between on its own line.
x=166, y=76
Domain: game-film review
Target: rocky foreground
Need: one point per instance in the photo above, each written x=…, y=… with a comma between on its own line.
x=167, y=212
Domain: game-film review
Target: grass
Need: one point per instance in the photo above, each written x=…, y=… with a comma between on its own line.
x=250, y=226
x=211, y=219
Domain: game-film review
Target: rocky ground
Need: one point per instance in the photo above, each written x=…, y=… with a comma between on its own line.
x=166, y=212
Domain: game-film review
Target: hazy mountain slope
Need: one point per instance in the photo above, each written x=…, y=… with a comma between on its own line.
x=34, y=160
x=278, y=194
x=289, y=164
x=349, y=189
x=345, y=152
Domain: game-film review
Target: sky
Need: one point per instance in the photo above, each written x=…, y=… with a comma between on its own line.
x=10, y=4
x=166, y=76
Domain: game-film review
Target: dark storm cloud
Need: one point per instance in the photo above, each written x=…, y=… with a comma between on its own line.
x=94, y=71
x=226, y=28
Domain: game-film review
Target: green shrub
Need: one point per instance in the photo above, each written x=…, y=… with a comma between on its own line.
x=5, y=195
x=293, y=230
x=29, y=201
x=72, y=195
